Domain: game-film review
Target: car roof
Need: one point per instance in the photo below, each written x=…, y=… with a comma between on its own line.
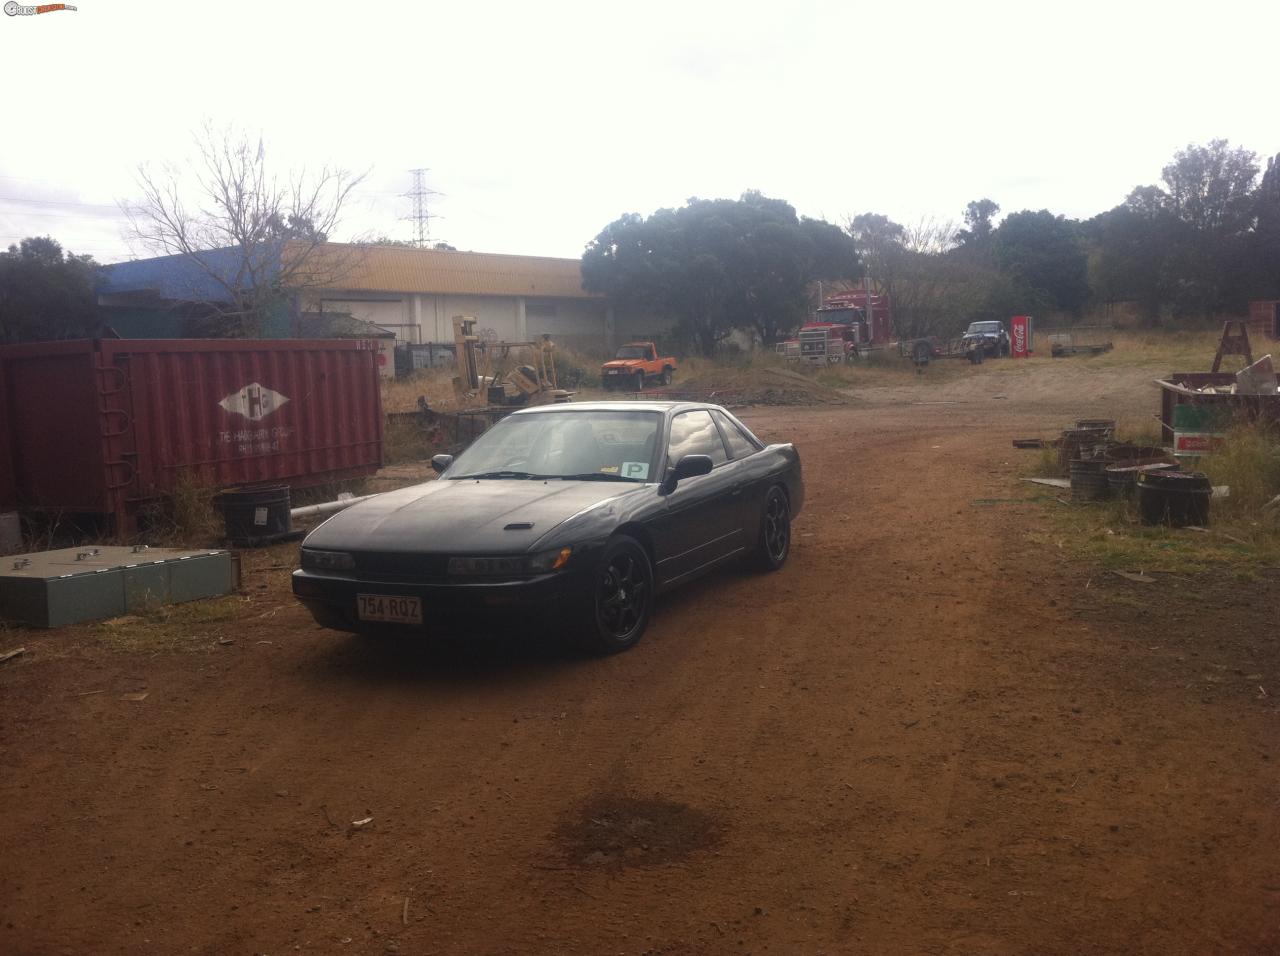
x=637, y=406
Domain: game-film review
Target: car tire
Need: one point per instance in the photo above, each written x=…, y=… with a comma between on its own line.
x=773, y=541
x=639, y=382
x=621, y=598
x=666, y=377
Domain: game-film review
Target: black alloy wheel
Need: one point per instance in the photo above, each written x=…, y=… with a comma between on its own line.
x=622, y=598
x=774, y=544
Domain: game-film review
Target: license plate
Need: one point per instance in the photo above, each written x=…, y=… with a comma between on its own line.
x=389, y=609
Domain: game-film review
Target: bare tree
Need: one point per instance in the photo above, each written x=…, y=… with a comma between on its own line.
x=253, y=241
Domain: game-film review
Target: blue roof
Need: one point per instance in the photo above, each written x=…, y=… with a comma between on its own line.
x=177, y=278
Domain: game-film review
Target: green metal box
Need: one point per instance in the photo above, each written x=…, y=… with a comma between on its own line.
x=71, y=585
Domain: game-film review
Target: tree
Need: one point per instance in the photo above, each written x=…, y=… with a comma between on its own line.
x=406, y=244
x=1209, y=187
x=1266, y=239
x=1210, y=194
x=45, y=294
x=1131, y=252
x=713, y=266
x=977, y=216
x=880, y=243
x=252, y=238
x=1045, y=259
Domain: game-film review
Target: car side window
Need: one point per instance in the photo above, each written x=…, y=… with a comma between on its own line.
x=739, y=445
x=694, y=433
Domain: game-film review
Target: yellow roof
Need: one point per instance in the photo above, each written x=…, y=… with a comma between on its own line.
x=355, y=267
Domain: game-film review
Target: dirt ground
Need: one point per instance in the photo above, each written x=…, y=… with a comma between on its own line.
x=930, y=733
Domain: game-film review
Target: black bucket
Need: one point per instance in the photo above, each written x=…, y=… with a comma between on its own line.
x=1122, y=476
x=1174, y=498
x=256, y=516
x=1089, y=479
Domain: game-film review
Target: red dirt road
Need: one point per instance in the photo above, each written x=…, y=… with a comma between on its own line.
x=925, y=735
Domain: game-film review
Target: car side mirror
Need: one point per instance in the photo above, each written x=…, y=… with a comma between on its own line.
x=441, y=462
x=690, y=466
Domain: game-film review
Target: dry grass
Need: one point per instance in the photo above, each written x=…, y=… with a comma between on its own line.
x=406, y=442
x=436, y=385
x=196, y=626
x=1165, y=351
x=187, y=519
x=1249, y=463
x=1243, y=534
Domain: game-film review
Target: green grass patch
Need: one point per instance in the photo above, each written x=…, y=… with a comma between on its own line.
x=1110, y=536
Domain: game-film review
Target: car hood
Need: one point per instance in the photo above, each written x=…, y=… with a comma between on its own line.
x=463, y=516
x=624, y=363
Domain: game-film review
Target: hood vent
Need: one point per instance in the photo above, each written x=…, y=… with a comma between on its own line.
x=518, y=526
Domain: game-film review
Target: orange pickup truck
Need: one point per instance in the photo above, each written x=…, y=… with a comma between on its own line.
x=635, y=364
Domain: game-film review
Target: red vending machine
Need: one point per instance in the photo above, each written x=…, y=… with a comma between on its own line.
x=1020, y=336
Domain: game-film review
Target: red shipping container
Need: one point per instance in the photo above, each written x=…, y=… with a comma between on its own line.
x=8, y=490
x=106, y=427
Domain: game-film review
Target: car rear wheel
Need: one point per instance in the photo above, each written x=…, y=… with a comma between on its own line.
x=774, y=542
x=666, y=376
x=621, y=598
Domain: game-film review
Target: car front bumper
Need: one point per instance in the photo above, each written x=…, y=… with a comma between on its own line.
x=447, y=607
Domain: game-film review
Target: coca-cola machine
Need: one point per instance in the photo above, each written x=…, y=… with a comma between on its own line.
x=1020, y=336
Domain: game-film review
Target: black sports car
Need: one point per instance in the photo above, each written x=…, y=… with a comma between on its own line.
x=577, y=514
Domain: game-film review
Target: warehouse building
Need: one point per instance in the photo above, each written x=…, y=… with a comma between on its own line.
x=413, y=293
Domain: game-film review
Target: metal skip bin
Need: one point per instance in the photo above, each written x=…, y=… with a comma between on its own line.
x=109, y=427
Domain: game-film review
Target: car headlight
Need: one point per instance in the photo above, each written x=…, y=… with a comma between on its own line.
x=511, y=565
x=313, y=560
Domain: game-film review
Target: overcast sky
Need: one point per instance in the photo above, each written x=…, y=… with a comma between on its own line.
x=542, y=122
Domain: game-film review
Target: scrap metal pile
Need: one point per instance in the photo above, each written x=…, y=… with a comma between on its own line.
x=1096, y=466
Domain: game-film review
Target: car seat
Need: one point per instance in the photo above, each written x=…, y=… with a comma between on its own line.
x=582, y=453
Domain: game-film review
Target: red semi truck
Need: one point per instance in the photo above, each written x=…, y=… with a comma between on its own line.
x=846, y=323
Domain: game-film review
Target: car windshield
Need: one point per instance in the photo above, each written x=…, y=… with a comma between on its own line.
x=632, y=351
x=572, y=445
x=984, y=327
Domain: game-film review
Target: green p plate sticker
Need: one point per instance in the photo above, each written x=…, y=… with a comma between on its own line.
x=635, y=469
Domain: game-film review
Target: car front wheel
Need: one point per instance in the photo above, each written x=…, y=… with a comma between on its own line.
x=621, y=598
x=774, y=543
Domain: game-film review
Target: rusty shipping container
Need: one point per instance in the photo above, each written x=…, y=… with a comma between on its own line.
x=8, y=490
x=1264, y=320
x=108, y=427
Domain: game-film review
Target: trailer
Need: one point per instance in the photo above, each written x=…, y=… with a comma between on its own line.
x=926, y=349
